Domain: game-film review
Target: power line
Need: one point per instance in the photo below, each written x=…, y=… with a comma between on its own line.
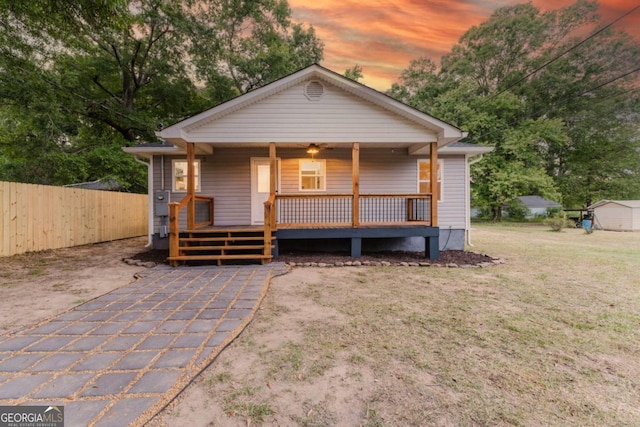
x=564, y=100
x=608, y=82
x=546, y=64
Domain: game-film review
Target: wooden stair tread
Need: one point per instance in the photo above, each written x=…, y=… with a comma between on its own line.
x=221, y=239
x=221, y=247
x=223, y=230
x=217, y=257
x=223, y=244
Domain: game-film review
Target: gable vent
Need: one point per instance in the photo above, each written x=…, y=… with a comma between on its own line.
x=314, y=91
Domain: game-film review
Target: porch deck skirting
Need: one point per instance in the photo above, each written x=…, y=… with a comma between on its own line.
x=356, y=234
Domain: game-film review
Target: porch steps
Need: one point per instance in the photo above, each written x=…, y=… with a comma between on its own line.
x=222, y=246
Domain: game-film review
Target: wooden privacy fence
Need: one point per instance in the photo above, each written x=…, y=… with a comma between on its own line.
x=39, y=217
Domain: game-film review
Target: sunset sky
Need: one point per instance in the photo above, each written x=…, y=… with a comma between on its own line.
x=382, y=36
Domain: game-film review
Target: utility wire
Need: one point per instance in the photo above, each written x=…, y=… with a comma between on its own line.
x=564, y=100
x=608, y=82
x=546, y=64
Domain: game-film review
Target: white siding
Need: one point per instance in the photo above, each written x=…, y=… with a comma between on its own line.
x=226, y=177
x=290, y=117
x=338, y=169
x=451, y=210
x=613, y=216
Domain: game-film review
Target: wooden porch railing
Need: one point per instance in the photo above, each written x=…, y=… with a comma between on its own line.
x=202, y=216
x=307, y=210
x=326, y=210
x=377, y=209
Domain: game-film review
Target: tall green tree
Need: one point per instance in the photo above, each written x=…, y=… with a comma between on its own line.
x=559, y=116
x=82, y=79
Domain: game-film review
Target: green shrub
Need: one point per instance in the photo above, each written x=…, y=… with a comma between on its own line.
x=517, y=210
x=559, y=221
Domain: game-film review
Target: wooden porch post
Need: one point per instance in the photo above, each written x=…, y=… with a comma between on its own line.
x=355, y=183
x=191, y=185
x=273, y=170
x=273, y=181
x=433, y=164
x=269, y=205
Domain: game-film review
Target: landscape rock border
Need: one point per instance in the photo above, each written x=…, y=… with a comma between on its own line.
x=150, y=259
x=494, y=262
x=138, y=263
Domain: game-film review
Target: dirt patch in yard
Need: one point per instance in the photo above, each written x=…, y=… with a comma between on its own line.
x=549, y=338
x=38, y=285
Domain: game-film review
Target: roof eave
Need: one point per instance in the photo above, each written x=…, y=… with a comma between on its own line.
x=465, y=150
x=148, y=152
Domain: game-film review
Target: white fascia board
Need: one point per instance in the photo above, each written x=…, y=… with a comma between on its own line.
x=465, y=150
x=148, y=152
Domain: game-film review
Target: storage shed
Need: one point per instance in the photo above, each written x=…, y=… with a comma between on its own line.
x=617, y=215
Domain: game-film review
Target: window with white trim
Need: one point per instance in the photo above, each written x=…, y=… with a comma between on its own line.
x=312, y=175
x=424, y=177
x=179, y=168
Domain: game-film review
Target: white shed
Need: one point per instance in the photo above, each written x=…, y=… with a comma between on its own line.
x=617, y=215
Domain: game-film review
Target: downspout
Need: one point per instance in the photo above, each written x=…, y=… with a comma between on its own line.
x=150, y=195
x=467, y=189
x=162, y=173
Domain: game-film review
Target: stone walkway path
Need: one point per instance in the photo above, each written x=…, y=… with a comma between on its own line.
x=120, y=358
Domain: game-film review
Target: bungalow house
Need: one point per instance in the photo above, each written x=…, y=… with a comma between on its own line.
x=311, y=159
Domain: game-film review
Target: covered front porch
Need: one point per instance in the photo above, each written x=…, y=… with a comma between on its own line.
x=299, y=215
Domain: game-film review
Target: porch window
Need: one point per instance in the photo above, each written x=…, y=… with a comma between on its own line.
x=312, y=175
x=424, y=177
x=180, y=175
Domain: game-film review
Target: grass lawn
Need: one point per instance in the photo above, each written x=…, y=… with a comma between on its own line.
x=550, y=338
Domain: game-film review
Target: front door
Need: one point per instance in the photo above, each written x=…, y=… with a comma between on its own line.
x=260, y=185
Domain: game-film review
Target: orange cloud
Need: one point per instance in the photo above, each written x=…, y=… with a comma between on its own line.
x=383, y=36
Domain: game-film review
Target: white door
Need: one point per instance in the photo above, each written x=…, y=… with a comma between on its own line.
x=260, y=185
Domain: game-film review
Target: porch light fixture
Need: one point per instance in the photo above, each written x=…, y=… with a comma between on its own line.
x=313, y=149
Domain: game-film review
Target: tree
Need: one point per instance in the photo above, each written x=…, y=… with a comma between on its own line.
x=354, y=73
x=249, y=43
x=79, y=82
x=556, y=114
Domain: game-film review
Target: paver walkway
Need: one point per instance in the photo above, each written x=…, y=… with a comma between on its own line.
x=120, y=358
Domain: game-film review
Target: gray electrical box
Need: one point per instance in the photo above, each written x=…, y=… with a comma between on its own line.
x=161, y=203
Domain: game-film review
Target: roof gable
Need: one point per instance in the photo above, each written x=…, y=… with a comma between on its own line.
x=538, y=202
x=347, y=98
x=626, y=203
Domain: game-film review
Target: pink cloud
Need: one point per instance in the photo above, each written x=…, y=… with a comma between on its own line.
x=383, y=36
